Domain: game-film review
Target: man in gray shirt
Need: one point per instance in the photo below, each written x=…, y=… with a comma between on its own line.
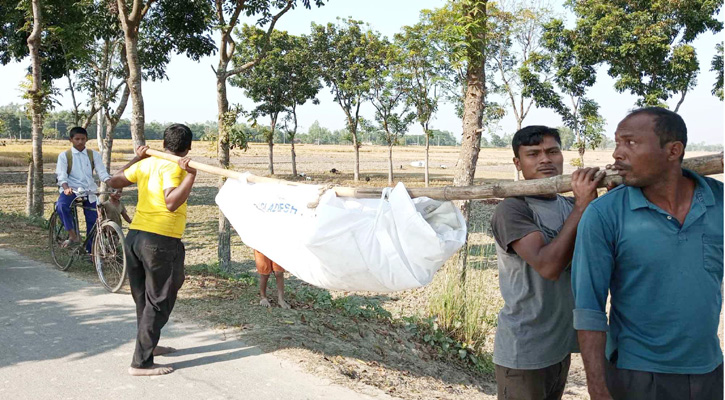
x=534, y=243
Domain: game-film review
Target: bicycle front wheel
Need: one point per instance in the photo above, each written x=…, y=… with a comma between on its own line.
x=62, y=256
x=109, y=256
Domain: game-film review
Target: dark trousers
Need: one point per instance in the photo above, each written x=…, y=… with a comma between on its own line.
x=641, y=385
x=533, y=384
x=155, y=274
x=89, y=210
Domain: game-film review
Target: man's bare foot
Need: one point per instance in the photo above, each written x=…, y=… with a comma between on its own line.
x=154, y=370
x=68, y=243
x=161, y=350
x=264, y=302
x=283, y=304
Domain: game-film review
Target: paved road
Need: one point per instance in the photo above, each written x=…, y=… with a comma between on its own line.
x=61, y=338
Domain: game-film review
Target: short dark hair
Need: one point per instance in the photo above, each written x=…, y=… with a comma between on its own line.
x=533, y=135
x=77, y=130
x=177, y=138
x=668, y=125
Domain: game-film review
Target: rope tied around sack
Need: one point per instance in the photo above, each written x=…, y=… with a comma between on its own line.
x=321, y=192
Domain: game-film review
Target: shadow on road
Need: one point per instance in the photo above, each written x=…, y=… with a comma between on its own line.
x=45, y=315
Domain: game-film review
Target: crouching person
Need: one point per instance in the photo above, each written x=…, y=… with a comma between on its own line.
x=155, y=252
x=534, y=243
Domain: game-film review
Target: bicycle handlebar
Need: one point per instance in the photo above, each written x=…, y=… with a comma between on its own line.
x=85, y=193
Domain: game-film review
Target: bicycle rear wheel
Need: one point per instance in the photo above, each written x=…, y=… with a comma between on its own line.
x=109, y=256
x=62, y=257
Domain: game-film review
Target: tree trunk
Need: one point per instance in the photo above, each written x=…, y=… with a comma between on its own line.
x=76, y=111
x=224, y=254
x=582, y=147
x=111, y=124
x=270, y=145
x=356, y=147
x=517, y=173
x=226, y=51
x=292, y=141
x=36, y=93
x=473, y=106
x=108, y=144
x=682, y=99
x=100, y=125
x=134, y=81
x=427, y=158
x=390, y=164
x=29, y=190
x=107, y=149
x=356, y=173
x=355, y=142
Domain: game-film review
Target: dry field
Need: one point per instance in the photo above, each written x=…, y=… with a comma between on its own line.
x=348, y=344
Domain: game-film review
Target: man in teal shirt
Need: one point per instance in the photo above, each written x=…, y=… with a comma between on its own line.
x=655, y=244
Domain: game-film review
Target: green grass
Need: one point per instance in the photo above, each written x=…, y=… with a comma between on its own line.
x=467, y=311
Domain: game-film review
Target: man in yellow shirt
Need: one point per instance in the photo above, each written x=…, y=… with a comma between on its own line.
x=155, y=253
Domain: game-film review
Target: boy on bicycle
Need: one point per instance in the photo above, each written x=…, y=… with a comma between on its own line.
x=74, y=170
x=155, y=254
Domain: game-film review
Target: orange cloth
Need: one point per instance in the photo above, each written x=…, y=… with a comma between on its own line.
x=265, y=266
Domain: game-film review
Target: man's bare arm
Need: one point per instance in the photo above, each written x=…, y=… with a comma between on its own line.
x=549, y=260
x=176, y=196
x=119, y=180
x=592, y=345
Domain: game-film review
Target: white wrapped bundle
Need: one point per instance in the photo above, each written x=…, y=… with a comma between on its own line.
x=381, y=245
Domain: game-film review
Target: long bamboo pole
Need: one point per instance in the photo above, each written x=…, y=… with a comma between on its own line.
x=704, y=165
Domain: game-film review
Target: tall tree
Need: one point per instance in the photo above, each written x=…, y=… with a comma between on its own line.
x=389, y=84
x=449, y=38
x=344, y=62
x=647, y=44
x=473, y=19
x=226, y=17
x=37, y=95
x=131, y=24
x=280, y=82
x=103, y=74
x=574, y=74
x=44, y=31
x=425, y=62
x=516, y=51
x=267, y=83
x=167, y=25
x=304, y=84
x=514, y=37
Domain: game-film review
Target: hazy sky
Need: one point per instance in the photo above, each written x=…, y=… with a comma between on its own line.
x=189, y=93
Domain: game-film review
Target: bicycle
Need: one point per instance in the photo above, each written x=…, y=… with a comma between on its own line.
x=108, y=248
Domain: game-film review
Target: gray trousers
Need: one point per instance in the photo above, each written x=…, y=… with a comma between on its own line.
x=641, y=385
x=533, y=384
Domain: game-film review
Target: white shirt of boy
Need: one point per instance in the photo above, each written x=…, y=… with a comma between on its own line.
x=81, y=175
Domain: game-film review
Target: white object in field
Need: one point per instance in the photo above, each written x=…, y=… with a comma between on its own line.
x=374, y=245
x=419, y=164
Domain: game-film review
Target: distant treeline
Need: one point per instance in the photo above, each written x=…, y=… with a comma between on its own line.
x=14, y=123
